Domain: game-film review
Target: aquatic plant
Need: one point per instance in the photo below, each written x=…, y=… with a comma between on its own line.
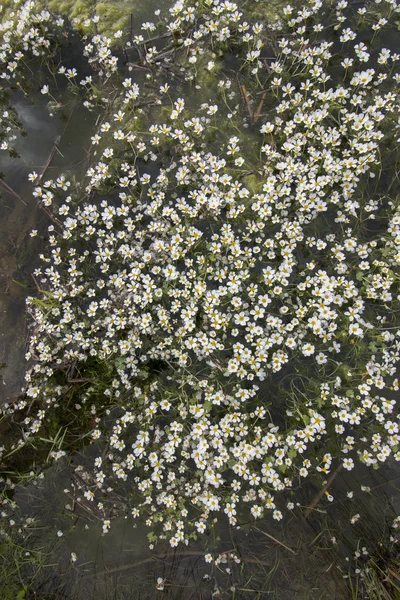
x=221, y=292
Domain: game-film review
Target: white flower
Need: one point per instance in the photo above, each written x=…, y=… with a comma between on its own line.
x=308, y=349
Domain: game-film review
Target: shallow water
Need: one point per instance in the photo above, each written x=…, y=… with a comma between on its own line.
x=296, y=559
x=120, y=565
x=18, y=251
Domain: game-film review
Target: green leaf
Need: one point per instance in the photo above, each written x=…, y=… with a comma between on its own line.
x=39, y=302
x=120, y=363
x=48, y=294
x=207, y=405
x=23, y=285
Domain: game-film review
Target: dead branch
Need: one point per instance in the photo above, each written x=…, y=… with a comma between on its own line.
x=11, y=191
x=259, y=109
x=322, y=491
x=247, y=100
x=51, y=156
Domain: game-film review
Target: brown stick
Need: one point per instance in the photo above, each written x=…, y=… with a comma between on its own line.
x=82, y=505
x=135, y=66
x=51, y=156
x=271, y=537
x=154, y=39
x=50, y=215
x=259, y=109
x=247, y=100
x=394, y=574
x=56, y=144
x=267, y=66
x=322, y=491
x=11, y=191
x=36, y=283
x=172, y=554
x=161, y=57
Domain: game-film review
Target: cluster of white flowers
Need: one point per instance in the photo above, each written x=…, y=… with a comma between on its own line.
x=222, y=266
x=98, y=51
x=25, y=32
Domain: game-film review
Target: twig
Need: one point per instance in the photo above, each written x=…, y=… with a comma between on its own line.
x=56, y=144
x=259, y=109
x=50, y=215
x=271, y=537
x=135, y=66
x=246, y=97
x=82, y=505
x=12, y=192
x=51, y=156
x=188, y=554
x=267, y=66
x=36, y=283
x=154, y=39
x=161, y=57
x=394, y=574
x=322, y=491
x=141, y=562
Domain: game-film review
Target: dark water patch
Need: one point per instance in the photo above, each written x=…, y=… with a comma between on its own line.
x=19, y=252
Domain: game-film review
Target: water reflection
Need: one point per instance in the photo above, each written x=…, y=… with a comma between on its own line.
x=18, y=251
x=299, y=558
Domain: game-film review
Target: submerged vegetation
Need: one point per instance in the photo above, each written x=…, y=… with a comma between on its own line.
x=216, y=315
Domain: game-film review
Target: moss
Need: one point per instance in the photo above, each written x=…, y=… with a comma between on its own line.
x=113, y=15
x=71, y=8
x=253, y=183
x=267, y=12
x=110, y=17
